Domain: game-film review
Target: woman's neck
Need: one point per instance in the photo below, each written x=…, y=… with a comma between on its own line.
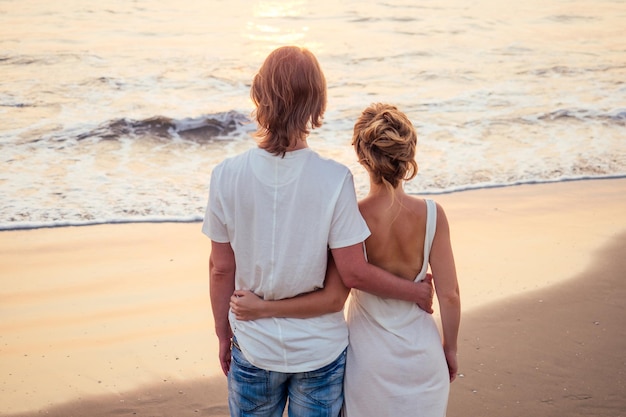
x=385, y=191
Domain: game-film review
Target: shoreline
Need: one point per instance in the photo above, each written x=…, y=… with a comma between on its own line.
x=115, y=318
x=198, y=219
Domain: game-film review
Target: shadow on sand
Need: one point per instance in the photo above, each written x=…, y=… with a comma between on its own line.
x=559, y=351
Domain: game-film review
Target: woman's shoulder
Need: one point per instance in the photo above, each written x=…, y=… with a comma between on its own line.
x=407, y=208
x=423, y=203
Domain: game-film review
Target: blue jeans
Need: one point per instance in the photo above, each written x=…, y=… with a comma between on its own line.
x=256, y=392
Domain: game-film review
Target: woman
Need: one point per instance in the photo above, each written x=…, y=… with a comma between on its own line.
x=397, y=362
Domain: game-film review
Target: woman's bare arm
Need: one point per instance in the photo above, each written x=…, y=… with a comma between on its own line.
x=447, y=289
x=248, y=306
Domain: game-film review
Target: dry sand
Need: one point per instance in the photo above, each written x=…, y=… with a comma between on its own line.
x=115, y=320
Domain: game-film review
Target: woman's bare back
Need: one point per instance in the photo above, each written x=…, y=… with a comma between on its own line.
x=398, y=226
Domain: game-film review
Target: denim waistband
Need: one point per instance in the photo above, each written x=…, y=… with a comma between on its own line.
x=233, y=343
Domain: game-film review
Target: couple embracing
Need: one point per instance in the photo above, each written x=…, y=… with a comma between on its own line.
x=289, y=241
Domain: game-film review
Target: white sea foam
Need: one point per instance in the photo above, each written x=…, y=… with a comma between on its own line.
x=124, y=124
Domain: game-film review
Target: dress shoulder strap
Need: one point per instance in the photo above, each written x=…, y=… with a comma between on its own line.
x=431, y=227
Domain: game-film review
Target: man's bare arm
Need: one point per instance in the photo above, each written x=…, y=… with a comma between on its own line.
x=357, y=273
x=222, y=285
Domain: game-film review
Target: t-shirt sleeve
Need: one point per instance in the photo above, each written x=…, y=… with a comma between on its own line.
x=214, y=224
x=348, y=227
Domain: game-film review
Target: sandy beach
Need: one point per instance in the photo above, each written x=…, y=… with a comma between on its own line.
x=115, y=320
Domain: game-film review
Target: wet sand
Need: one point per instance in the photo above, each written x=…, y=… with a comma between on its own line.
x=114, y=320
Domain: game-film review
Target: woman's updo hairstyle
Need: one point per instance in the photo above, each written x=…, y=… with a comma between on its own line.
x=384, y=140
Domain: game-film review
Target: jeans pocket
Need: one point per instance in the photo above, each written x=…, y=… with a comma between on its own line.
x=324, y=386
x=247, y=384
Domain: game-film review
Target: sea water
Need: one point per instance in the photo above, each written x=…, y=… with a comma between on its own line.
x=117, y=111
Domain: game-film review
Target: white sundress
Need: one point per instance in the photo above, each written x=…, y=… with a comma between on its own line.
x=395, y=363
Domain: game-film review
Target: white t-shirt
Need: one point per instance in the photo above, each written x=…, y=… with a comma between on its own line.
x=280, y=215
